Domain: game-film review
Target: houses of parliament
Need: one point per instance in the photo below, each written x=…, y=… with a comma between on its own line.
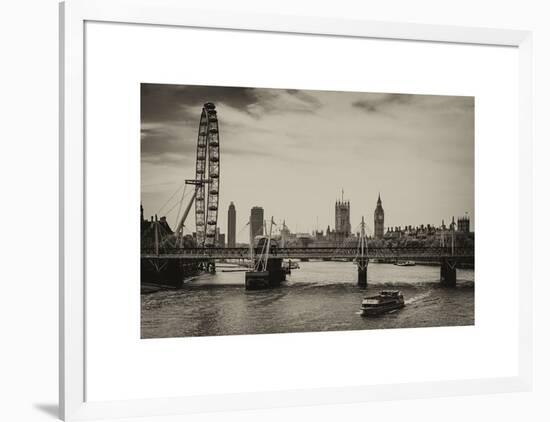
x=342, y=226
x=343, y=232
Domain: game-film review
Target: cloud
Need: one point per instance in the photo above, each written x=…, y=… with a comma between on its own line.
x=170, y=115
x=179, y=103
x=309, y=102
x=374, y=103
x=390, y=103
x=168, y=142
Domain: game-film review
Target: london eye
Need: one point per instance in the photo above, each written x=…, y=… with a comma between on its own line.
x=207, y=177
x=206, y=182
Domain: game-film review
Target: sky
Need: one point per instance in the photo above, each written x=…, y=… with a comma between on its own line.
x=293, y=152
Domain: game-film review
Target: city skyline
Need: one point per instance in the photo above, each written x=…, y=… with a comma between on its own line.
x=292, y=152
x=261, y=220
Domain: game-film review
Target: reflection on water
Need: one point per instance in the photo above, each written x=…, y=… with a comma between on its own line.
x=320, y=296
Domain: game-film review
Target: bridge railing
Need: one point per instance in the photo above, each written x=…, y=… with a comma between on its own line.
x=316, y=252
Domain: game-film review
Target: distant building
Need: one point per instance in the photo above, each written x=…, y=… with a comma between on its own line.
x=432, y=235
x=156, y=231
x=464, y=224
x=342, y=225
x=231, y=225
x=379, y=220
x=220, y=239
x=257, y=221
x=285, y=235
x=304, y=240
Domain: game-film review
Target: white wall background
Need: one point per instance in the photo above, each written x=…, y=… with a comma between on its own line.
x=28, y=208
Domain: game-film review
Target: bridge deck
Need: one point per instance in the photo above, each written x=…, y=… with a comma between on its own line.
x=313, y=253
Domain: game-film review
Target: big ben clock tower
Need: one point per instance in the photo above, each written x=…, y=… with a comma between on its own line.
x=379, y=220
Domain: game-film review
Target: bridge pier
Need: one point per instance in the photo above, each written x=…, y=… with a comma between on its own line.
x=448, y=273
x=168, y=272
x=273, y=276
x=210, y=267
x=362, y=264
x=276, y=273
x=289, y=269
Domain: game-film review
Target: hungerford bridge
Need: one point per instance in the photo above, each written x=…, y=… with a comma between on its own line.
x=265, y=260
x=304, y=253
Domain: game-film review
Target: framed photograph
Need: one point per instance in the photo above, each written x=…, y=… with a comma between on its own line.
x=330, y=211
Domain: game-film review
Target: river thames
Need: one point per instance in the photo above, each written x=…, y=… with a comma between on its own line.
x=320, y=296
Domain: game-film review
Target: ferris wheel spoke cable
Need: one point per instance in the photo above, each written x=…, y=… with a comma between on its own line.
x=171, y=197
x=175, y=205
x=172, y=208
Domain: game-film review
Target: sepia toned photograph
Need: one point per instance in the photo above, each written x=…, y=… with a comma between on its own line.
x=284, y=210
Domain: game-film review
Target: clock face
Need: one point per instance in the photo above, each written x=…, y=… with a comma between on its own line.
x=380, y=217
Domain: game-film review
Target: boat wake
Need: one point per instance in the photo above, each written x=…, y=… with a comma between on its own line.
x=371, y=284
x=418, y=298
x=403, y=284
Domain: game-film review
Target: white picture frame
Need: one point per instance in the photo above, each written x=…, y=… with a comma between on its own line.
x=73, y=15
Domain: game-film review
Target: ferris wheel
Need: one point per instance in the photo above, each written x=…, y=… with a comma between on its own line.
x=207, y=173
x=207, y=177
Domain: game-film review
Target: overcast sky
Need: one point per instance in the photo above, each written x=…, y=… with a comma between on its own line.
x=292, y=152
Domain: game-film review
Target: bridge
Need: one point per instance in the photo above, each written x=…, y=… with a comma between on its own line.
x=395, y=253
x=447, y=256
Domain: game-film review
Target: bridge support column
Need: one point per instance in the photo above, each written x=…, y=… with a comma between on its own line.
x=289, y=270
x=362, y=264
x=211, y=267
x=273, y=276
x=276, y=272
x=448, y=273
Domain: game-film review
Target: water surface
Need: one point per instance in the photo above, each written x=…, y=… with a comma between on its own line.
x=320, y=296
